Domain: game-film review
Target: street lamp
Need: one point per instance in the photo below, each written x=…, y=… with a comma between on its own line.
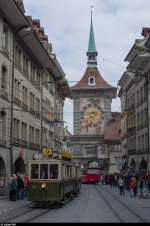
x=24, y=28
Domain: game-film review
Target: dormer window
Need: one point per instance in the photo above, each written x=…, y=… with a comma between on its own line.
x=91, y=81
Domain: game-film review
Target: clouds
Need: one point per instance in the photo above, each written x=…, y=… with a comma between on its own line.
x=116, y=26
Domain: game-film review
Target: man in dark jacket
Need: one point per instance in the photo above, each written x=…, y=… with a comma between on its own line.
x=20, y=186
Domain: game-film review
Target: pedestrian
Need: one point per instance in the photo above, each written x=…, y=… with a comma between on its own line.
x=13, y=188
x=134, y=186
x=148, y=179
x=26, y=186
x=20, y=185
x=102, y=179
x=115, y=180
x=131, y=186
x=121, y=186
x=145, y=188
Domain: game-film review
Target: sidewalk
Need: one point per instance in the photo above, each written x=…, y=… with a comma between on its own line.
x=3, y=197
x=6, y=206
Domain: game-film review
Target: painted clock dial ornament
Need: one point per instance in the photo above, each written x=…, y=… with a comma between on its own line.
x=92, y=115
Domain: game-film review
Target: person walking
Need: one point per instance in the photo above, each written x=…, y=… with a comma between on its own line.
x=134, y=186
x=13, y=188
x=26, y=186
x=20, y=185
x=121, y=186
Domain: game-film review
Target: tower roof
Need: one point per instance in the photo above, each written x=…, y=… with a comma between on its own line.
x=92, y=79
x=92, y=45
x=100, y=83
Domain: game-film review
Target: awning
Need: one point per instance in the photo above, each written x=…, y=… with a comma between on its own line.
x=37, y=49
x=12, y=13
x=17, y=20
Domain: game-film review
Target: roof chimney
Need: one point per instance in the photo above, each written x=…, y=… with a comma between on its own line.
x=145, y=31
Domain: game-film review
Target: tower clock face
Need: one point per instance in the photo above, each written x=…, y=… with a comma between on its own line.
x=92, y=115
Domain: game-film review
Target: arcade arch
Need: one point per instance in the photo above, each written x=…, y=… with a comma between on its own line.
x=19, y=166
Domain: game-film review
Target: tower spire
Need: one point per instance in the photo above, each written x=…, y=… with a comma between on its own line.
x=92, y=53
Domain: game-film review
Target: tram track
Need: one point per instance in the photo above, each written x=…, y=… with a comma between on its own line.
x=110, y=206
x=135, y=215
x=28, y=213
x=34, y=214
x=29, y=220
x=13, y=213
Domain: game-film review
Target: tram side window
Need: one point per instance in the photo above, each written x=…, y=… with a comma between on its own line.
x=34, y=171
x=53, y=171
x=44, y=171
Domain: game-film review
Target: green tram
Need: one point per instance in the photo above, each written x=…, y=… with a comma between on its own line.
x=53, y=181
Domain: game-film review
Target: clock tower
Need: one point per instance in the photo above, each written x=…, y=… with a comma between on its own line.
x=92, y=98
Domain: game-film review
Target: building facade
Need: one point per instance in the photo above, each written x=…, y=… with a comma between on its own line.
x=30, y=74
x=92, y=98
x=134, y=96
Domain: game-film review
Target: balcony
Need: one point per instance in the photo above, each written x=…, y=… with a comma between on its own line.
x=142, y=150
x=32, y=110
x=5, y=51
x=17, y=101
x=16, y=141
x=24, y=143
x=37, y=146
x=131, y=126
x=3, y=93
x=37, y=114
x=131, y=151
x=25, y=106
x=32, y=145
x=131, y=107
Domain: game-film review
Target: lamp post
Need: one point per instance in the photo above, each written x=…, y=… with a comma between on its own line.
x=24, y=28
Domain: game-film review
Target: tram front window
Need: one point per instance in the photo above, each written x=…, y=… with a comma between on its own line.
x=53, y=171
x=44, y=171
x=34, y=171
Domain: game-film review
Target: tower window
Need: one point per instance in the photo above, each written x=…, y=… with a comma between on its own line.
x=91, y=81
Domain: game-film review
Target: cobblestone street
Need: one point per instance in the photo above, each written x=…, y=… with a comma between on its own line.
x=95, y=203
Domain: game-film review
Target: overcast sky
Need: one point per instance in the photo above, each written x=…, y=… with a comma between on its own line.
x=117, y=23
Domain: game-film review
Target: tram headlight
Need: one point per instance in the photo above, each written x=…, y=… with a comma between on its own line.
x=43, y=185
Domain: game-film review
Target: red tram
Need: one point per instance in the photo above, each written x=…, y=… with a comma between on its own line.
x=91, y=174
